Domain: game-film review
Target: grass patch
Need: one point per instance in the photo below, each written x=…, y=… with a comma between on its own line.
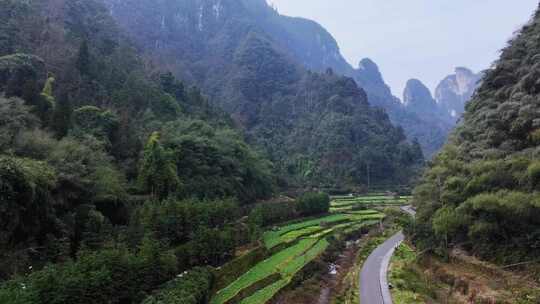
x=409, y=286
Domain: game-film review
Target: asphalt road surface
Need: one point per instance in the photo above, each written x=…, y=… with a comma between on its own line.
x=373, y=277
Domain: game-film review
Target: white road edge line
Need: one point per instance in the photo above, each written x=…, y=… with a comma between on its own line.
x=383, y=276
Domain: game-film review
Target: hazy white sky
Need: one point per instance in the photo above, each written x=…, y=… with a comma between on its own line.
x=422, y=39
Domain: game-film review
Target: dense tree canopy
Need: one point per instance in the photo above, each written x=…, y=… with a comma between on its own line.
x=481, y=191
x=313, y=203
x=115, y=176
x=88, y=132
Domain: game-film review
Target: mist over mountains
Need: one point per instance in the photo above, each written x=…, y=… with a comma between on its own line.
x=280, y=78
x=199, y=41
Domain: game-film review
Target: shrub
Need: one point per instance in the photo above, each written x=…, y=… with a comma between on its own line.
x=101, y=277
x=274, y=212
x=313, y=203
x=35, y=144
x=94, y=121
x=192, y=287
x=15, y=117
x=26, y=199
x=446, y=222
x=199, y=230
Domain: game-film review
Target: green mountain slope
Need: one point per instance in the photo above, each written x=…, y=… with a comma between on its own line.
x=88, y=132
x=316, y=128
x=481, y=192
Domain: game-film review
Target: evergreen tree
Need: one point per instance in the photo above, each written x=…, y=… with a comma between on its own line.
x=158, y=173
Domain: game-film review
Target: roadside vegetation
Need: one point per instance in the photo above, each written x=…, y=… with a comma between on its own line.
x=408, y=286
x=428, y=278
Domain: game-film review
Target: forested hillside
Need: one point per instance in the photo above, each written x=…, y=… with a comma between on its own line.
x=481, y=192
x=93, y=147
x=116, y=176
x=198, y=40
x=316, y=128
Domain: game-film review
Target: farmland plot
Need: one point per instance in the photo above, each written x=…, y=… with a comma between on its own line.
x=350, y=203
x=292, y=246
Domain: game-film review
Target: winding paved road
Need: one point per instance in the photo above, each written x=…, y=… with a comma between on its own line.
x=373, y=277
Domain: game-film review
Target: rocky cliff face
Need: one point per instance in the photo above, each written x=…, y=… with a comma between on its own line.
x=456, y=90
x=368, y=76
x=417, y=98
x=432, y=125
x=418, y=124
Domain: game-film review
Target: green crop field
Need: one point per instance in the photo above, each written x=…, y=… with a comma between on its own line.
x=340, y=205
x=364, y=212
x=273, y=238
x=305, y=241
x=288, y=272
x=264, y=269
x=264, y=295
x=292, y=232
x=295, y=234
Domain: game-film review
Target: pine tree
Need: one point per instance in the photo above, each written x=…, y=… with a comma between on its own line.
x=158, y=173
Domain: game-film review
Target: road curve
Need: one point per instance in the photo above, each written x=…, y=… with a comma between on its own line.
x=373, y=277
x=373, y=281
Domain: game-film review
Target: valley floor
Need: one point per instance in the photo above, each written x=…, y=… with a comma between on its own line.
x=415, y=278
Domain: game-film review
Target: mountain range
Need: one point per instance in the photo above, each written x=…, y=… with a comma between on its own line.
x=277, y=76
x=199, y=40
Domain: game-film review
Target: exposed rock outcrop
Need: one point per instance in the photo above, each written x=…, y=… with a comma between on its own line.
x=456, y=90
x=418, y=99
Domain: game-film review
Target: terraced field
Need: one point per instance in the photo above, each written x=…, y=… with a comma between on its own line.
x=290, y=248
x=342, y=204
